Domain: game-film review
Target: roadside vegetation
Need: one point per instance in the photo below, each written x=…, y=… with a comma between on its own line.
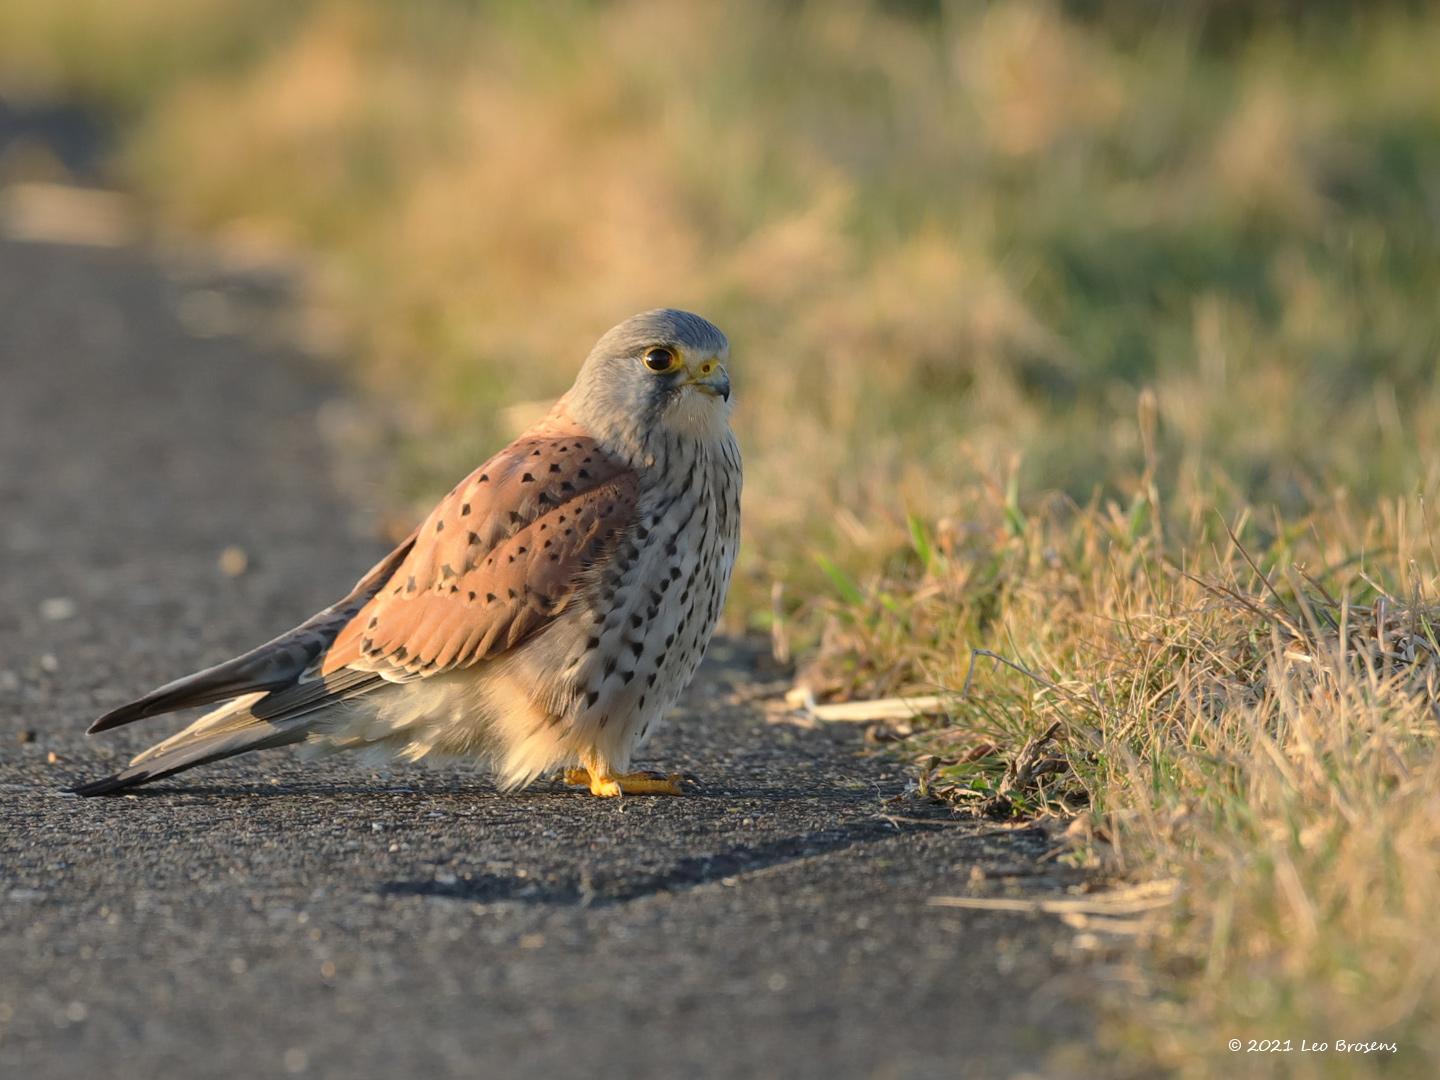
x=1105, y=343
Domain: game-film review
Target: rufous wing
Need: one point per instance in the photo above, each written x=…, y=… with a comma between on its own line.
x=503, y=554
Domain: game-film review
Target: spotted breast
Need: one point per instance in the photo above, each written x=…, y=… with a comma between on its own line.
x=650, y=616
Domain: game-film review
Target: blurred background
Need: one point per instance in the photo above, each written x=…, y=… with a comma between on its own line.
x=965, y=252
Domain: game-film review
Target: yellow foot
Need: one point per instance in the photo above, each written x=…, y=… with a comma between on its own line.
x=635, y=783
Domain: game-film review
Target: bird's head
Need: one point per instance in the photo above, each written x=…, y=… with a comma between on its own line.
x=662, y=369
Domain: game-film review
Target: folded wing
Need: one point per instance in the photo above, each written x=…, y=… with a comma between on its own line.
x=501, y=556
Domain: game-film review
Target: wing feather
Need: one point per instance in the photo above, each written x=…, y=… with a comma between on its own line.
x=501, y=555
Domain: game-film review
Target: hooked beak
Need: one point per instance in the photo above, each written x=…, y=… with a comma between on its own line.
x=711, y=378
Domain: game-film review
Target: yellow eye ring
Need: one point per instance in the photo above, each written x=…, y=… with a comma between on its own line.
x=661, y=359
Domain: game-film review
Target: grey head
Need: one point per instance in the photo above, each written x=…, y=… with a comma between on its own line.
x=662, y=369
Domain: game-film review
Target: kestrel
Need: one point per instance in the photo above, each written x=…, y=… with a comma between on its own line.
x=545, y=615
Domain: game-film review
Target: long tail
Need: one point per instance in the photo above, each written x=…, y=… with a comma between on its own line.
x=232, y=729
x=256, y=721
x=276, y=699
x=275, y=666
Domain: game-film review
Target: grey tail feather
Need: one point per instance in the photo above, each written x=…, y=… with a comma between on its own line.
x=278, y=719
x=219, y=683
x=201, y=751
x=276, y=664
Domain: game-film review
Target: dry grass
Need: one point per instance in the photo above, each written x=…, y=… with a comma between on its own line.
x=1253, y=716
x=1028, y=299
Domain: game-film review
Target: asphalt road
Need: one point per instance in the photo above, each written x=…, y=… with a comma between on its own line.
x=267, y=918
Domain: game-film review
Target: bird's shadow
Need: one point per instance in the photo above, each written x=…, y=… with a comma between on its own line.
x=602, y=885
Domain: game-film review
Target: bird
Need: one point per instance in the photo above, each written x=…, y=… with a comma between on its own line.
x=541, y=620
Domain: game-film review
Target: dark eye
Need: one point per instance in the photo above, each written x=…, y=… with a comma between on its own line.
x=660, y=359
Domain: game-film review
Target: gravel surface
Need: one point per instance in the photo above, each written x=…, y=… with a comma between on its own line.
x=267, y=918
